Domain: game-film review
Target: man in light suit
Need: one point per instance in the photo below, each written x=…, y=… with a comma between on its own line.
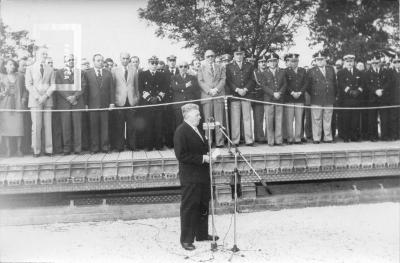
x=211, y=77
x=99, y=92
x=126, y=95
x=69, y=95
x=40, y=83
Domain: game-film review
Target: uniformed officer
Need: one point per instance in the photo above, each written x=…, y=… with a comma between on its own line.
x=294, y=98
x=379, y=83
x=152, y=88
x=321, y=85
x=274, y=91
x=350, y=90
x=258, y=94
x=185, y=88
x=240, y=82
x=168, y=112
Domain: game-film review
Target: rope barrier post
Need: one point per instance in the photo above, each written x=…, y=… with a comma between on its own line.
x=227, y=119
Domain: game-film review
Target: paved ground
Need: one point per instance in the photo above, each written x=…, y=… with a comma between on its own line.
x=360, y=233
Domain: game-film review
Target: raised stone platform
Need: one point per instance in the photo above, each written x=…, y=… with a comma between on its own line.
x=132, y=170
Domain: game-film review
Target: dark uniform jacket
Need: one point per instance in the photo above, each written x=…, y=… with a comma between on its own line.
x=240, y=78
x=275, y=83
x=65, y=87
x=181, y=92
x=189, y=150
x=382, y=80
x=396, y=86
x=356, y=87
x=154, y=85
x=295, y=83
x=99, y=93
x=260, y=81
x=322, y=89
x=168, y=75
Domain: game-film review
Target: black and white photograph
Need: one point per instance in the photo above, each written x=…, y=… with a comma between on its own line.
x=200, y=131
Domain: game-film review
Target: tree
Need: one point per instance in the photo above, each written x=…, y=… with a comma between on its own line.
x=15, y=44
x=221, y=25
x=354, y=26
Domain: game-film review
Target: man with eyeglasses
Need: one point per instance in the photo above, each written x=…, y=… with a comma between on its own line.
x=239, y=78
x=184, y=87
x=351, y=89
x=294, y=98
x=69, y=96
x=379, y=85
x=211, y=78
x=152, y=90
x=126, y=95
x=321, y=85
x=396, y=98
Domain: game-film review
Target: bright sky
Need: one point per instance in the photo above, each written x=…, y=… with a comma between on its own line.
x=108, y=27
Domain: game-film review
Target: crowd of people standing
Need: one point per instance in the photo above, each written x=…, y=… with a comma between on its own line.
x=267, y=104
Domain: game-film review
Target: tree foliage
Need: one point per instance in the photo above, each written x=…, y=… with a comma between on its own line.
x=221, y=25
x=15, y=44
x=354, y=26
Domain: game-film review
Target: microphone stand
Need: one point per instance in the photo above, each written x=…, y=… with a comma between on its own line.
x=213, y=243
x=236, y=175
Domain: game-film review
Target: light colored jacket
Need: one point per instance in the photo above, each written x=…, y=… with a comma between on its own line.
x=126, y=88
x=207, y=80
x=38, y=85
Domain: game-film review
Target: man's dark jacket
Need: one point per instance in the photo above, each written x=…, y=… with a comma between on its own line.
x=189, y=150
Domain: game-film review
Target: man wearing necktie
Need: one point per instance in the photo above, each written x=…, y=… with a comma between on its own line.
x=40, y=83
x=321, y=85
x=126, y=83
x=69, y=96
x=351, y=86
x=211, y=78
x=294, y=96
x=274, y=91
x=169, y=121
x=380, y=84
x=152, y=90
x=184, y=87
x=99, y=94
x=194, y=175
x=239, y=78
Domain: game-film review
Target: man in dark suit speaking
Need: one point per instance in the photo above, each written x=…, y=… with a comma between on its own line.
x=191, y=151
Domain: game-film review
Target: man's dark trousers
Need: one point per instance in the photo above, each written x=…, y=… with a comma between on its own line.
x=194, y=211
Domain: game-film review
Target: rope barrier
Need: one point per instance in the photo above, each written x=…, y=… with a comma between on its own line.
x=200, y=100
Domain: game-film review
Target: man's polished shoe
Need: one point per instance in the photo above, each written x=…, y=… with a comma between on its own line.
x=48, y=154
x=250, y=144
x=36, y=155
x=188, y=246
x=219, y=146
x=208, y=238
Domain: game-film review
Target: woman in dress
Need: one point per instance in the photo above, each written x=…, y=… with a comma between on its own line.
x=11, y=98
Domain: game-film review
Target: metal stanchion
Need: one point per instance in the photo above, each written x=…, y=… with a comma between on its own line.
x=209, y=127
